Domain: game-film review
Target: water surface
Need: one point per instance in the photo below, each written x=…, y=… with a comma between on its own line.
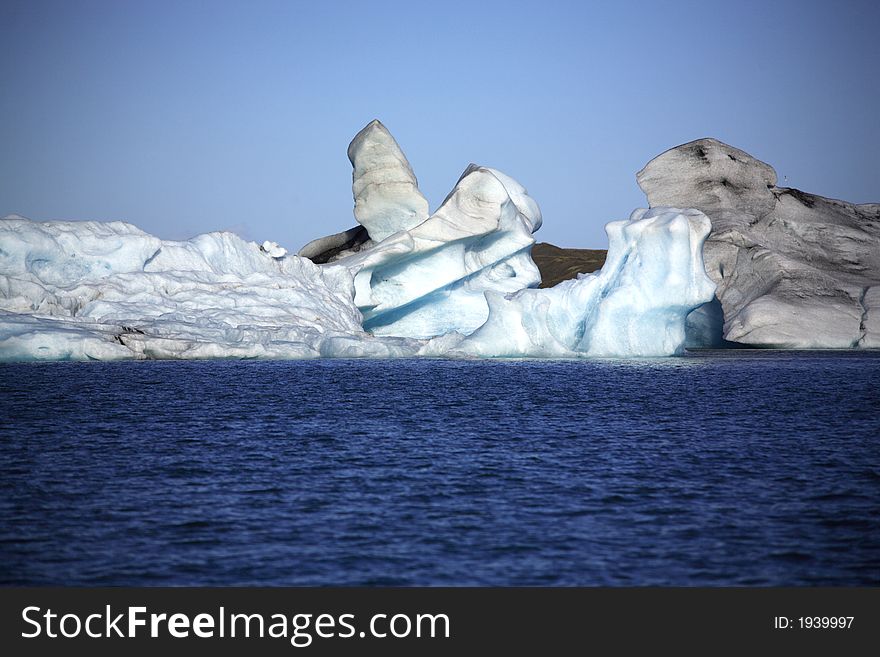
x=719, y=468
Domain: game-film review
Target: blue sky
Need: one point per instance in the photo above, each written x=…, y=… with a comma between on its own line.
x=185, y=117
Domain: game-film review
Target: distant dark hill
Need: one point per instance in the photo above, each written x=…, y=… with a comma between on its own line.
x=557, y=264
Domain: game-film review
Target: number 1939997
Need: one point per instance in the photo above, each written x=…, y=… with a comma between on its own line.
x=814, y=622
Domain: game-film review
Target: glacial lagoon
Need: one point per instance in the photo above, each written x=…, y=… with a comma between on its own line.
x=735, y=467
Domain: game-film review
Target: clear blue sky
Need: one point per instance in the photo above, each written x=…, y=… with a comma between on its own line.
x=185, y=117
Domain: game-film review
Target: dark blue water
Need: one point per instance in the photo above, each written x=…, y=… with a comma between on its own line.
x=720, y=468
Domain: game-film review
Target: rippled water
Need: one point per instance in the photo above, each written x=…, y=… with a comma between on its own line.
x=720, y=468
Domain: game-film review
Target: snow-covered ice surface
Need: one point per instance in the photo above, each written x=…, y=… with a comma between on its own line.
x=89, y=290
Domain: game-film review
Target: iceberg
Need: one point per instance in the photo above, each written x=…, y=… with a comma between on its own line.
x=106, y=291
x=793, y=269
x=432, y=279
x=423, y=276
x=457, y=283
x=636, y=305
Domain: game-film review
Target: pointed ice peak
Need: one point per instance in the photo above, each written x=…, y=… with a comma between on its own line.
x=386, y=192
x=377, y=134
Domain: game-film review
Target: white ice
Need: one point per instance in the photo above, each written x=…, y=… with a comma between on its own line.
x=457, y=283
x=431, y=279
x=105, y=291
x=635, y=305
x=422, y=276
x=386, y=193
